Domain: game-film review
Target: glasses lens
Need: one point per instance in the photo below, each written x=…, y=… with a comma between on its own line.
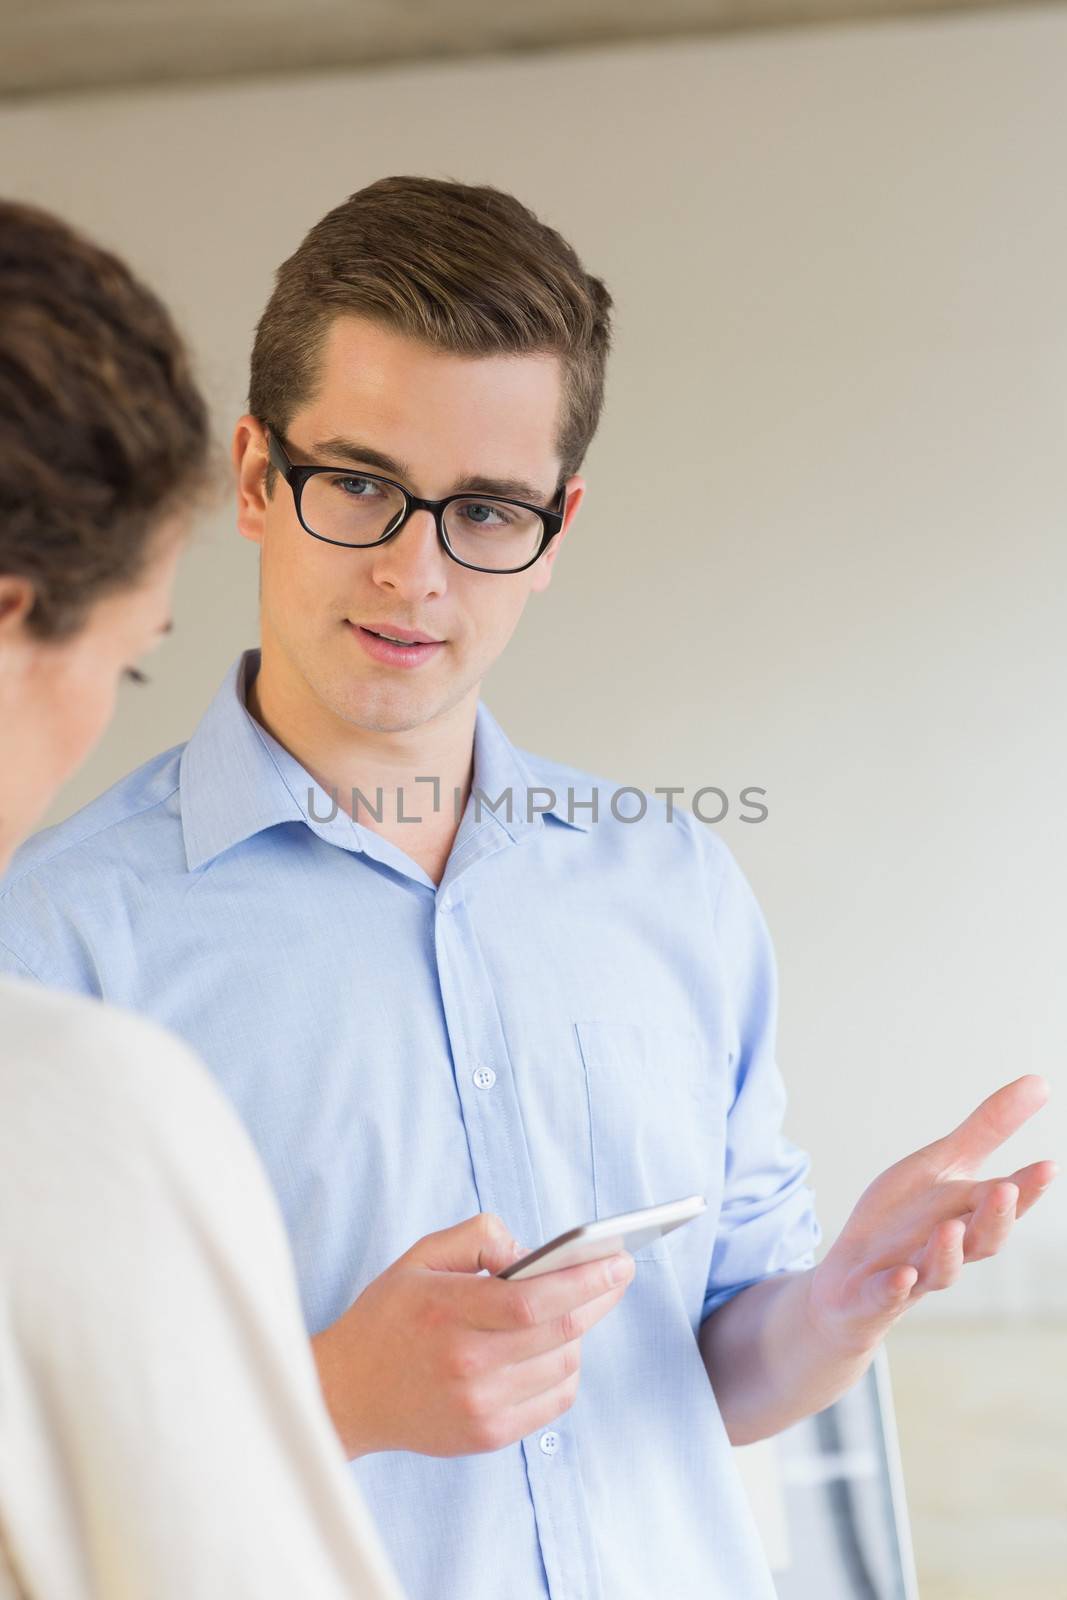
x=350, y=507
x=492, y=533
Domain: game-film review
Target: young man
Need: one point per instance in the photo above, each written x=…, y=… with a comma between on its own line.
x=511, y=1014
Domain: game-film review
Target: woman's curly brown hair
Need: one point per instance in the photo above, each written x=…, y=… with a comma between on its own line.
x=103, y=431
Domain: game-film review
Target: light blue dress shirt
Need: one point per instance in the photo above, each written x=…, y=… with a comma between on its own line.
x=579, y=1020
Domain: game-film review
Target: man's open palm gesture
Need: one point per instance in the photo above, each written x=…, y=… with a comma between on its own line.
x=916, y=1225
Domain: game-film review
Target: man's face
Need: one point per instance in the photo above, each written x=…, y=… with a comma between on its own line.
x=441, y=420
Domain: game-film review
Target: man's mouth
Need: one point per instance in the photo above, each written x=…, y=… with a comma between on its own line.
x=397, y=646
x=398, y=635
x=408, y=644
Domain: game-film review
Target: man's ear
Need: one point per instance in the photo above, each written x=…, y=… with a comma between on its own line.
x=575, y=488
x=249, y=454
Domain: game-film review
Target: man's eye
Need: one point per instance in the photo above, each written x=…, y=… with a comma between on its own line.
x=483, y=514
x=135, y=676
x=356, y=488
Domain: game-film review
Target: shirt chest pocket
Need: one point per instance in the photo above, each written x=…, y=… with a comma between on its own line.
x=656, y=1120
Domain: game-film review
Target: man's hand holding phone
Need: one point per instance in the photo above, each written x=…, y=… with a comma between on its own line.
x=438, y=1358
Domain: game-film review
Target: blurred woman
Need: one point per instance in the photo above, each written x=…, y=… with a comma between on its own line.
x=162, y=1432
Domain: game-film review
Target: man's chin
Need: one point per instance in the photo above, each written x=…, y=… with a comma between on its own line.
x=391, y=711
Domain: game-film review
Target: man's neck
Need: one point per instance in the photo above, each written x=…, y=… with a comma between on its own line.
x=369, y=771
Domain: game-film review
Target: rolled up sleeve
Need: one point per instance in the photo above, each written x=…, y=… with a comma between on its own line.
x=768, y=1222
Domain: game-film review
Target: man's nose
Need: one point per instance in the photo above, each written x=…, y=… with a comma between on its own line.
x=412, y=560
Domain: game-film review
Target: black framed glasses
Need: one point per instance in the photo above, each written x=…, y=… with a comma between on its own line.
x=347, y=506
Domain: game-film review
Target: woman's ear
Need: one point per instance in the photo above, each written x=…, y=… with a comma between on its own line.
x=17, y=596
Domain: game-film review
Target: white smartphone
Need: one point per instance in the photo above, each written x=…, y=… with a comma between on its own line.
x=632, y=1230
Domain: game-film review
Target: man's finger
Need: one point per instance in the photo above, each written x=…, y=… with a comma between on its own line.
x=533, y=1415
x=506, y=1307
x=991, y=1223
x=941, y=1261
x=482, y=1243
x=543, y=1373
x=1030, y=1181
x=887, y=1292
x=530, y=1343
x=999, y=1116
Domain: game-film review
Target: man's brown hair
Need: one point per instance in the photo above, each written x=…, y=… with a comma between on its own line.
x=103, y=432
x=467, y=269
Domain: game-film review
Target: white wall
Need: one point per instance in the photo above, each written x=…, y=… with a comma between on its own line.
x=825, y=548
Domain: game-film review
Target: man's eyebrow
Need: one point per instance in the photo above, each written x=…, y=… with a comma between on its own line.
x=365, y=455
x=504, y=488
x=360, y=455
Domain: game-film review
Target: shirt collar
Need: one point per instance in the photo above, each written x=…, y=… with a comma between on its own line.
x=237, y=780
x=533, y=786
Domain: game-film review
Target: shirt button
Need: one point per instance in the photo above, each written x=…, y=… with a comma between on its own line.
x=484, y=1078
x=549, y=1443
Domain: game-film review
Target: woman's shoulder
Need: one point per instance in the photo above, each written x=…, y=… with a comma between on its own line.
x=41, y=1025
x=76, y=1050
x=112, y=1106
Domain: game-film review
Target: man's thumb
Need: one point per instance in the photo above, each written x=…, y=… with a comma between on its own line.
x=482, y=1242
